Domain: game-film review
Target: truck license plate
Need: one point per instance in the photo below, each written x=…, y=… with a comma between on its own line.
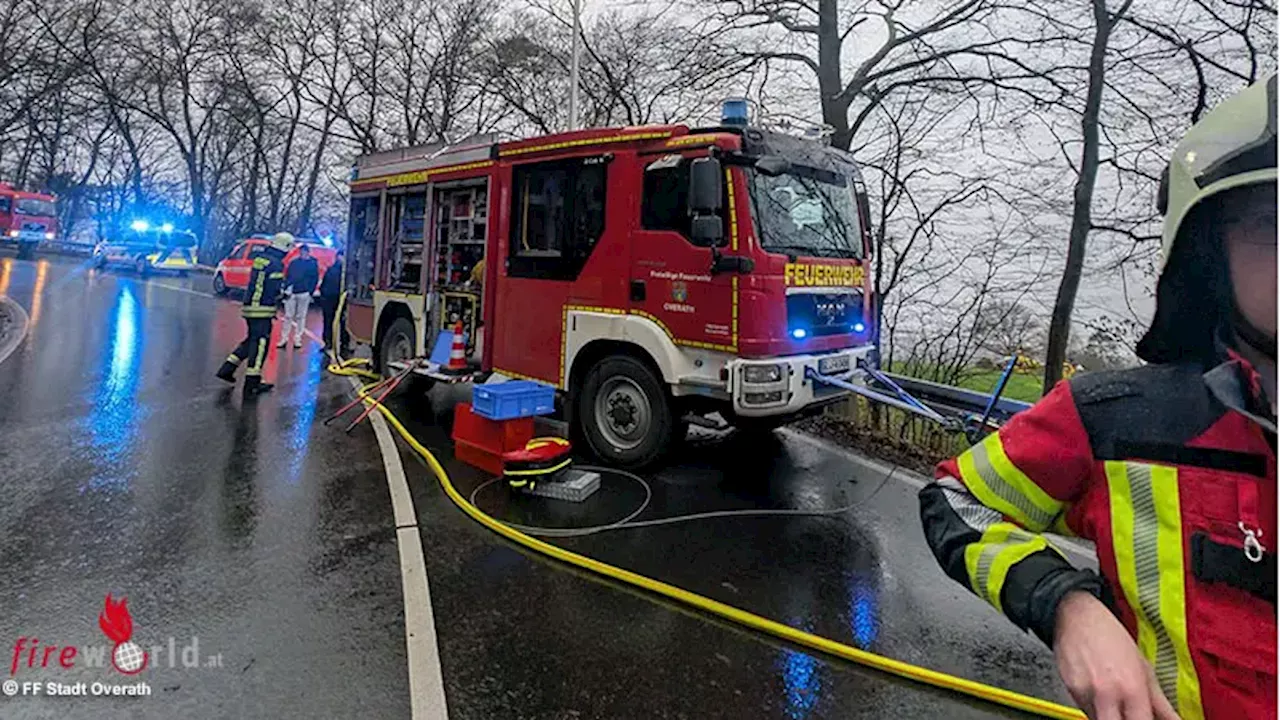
x=834, y=364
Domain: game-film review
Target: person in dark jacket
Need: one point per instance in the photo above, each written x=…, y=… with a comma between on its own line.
x=330, y=305
x=266, y=281
x=299, y=283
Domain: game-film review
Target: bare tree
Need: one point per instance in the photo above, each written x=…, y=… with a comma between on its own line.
x=1082, y=197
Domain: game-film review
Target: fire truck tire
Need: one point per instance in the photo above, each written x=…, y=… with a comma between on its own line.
x=398, y=342
x=26, y=251
x=625, y=413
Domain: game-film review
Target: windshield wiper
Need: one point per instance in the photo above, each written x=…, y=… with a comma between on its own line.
x=819, y=251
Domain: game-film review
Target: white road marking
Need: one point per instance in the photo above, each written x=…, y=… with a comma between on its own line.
x=20, y=320
x=185, y=290
x=917, y=481
x=426, y=681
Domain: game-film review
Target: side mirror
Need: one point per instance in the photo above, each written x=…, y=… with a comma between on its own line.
x=706, y=185
x=772, y=165
x=706, y=230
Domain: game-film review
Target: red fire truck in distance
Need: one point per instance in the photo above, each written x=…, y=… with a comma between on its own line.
x=26, y=219
x=654, y=275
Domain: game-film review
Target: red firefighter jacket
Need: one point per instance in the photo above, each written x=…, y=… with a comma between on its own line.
x=1172, y=473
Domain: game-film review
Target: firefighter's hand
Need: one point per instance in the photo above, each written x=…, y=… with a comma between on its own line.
x=1101, y=665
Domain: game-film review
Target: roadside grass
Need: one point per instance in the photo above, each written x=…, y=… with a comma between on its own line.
x=1022, y=386
x=1026, y=387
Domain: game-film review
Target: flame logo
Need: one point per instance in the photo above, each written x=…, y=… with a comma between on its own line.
x=115, y=620
x=117, y=625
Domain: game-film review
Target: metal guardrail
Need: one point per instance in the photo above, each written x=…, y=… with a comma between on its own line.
x=960, y=400
x=955, y=409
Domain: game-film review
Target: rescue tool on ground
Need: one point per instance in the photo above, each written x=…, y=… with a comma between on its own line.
x=1169, y=468
x=654, y=276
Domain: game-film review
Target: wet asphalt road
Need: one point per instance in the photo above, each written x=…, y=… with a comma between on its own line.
x=127, y=468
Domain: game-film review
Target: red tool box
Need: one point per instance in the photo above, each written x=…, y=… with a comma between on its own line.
x=482, y=442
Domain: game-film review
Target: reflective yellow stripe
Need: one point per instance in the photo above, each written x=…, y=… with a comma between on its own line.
x=585, y=141
x=255, y=367
x=988, y=561
x=989, y=474
x=1146, y=528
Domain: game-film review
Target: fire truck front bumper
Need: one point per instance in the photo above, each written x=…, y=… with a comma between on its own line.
x=779, y=386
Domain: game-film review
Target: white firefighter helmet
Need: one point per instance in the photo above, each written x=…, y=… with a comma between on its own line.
x=1232, y=147
x=282, y=241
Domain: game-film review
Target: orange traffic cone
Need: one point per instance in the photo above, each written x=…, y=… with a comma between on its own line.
x=457, y=352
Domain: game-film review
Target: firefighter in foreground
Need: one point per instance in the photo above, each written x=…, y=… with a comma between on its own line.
x=266, y=281
x=1170, y=468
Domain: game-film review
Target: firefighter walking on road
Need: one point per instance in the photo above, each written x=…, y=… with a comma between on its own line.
x=266, y=281
x=1169, y=468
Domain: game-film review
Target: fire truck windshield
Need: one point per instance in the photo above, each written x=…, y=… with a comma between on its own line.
x=805, y=212
x=33, y=206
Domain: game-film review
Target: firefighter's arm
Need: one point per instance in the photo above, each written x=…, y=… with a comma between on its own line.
x=985, y=513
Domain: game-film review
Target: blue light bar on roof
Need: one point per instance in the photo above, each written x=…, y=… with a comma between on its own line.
x=733, y=111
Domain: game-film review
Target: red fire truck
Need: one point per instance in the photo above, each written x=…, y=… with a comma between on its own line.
x=654, y=275
x=26, y=219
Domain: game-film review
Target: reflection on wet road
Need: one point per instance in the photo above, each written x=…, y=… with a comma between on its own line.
x=247, y=530
x=129, y=469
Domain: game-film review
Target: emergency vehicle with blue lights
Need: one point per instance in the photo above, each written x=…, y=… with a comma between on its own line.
x=149, y=247
x=653, y=275
x=26, y=219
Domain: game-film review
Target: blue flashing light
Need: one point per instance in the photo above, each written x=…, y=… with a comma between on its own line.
x=859, y=327
x=140, y=225
x=733, y=111
x=799, y=333
x=166, y=228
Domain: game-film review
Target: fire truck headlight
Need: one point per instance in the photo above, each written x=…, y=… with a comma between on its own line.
x=769, y=398
x=13, y=233
x=48, y=236
x=762, y=374
x=799, y=333
x=859, y=327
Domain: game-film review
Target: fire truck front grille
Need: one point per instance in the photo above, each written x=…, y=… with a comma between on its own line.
x=820, y=314
x=33, y=227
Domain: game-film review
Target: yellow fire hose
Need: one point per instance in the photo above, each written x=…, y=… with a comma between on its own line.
x=989, y=693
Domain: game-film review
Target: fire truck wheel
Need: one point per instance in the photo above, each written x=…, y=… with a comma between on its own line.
x=398, y=343
x=26, y=251
x=625, y=413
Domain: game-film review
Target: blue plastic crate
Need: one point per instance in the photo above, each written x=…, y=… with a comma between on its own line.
x=513, y=399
